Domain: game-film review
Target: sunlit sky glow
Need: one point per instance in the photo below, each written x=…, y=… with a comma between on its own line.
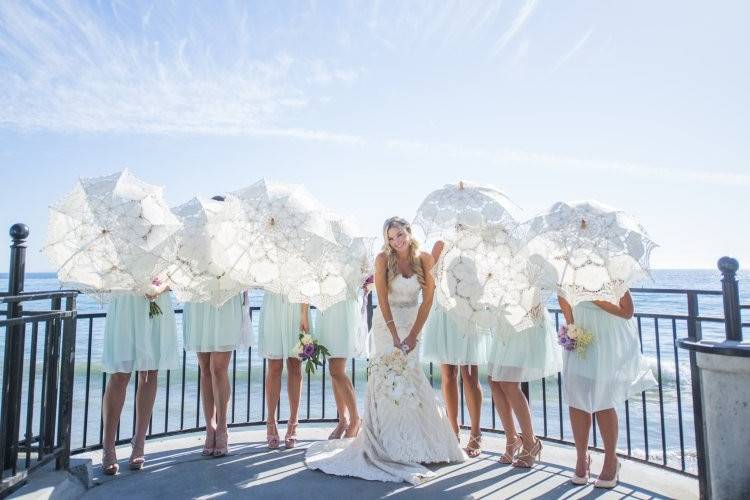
x=641, y=105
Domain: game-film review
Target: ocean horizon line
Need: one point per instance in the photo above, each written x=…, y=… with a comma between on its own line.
x=712, y=269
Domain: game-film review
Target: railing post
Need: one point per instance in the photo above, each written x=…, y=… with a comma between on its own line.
x=67, y=366
x=14, y=343
x=369, y=310
x=731, y=295
x=695, y=334
x=721, y=400
x=52, y=355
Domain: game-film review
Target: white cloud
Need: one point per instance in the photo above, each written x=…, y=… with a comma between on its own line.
x=547, y=160
x=82, y=68
x=573, y=51
x=322, y=73
x=516, y=26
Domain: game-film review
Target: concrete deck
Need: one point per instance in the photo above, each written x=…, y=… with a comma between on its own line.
x=175, y=469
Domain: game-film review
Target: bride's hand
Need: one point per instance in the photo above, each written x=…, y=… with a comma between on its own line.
x=411, y=342
x=396, y=341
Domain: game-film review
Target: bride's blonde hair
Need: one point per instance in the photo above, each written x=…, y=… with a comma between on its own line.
x=391, y=269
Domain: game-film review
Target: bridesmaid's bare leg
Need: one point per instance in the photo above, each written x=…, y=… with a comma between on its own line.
x=473, y=391
x=505, y=412
x=449, y=385
x=273, y=392
x=606, y=420
x=580, y=422
x=346, y=390
x=114, y=399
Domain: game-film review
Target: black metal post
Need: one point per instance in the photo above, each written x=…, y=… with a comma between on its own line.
x=52, y=354
x=730, y=292
x=695, y=334
x=67, y=365
x=14, y=342
x=369, y=310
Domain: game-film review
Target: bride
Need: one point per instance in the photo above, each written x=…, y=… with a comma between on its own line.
x=404, y=424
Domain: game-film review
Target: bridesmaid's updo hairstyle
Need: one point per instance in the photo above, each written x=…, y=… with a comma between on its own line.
x=391, y=270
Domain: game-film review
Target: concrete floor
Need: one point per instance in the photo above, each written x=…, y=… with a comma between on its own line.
x=175, y=469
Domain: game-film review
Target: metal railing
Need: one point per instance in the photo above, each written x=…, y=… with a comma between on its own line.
x=656, y=427
x=660, y=427
x=42, y=410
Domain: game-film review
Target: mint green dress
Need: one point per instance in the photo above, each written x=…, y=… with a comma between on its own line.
x=444, y=342
x=135, y=342
x=340, y=329
x=527, y=355
x=208, y=328
x=278, y=329
x=612, y=369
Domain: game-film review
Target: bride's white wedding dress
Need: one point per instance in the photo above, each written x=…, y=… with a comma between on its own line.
x=403, y=424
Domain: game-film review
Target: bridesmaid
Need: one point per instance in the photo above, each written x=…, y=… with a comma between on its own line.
x=213, y=333
x=337, y=328
x=517, y=357
x=453, y=349
x=612, y=370
x=134, y=342
x=280, y=325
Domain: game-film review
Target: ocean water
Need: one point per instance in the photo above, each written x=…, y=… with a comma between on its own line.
x=177, y=405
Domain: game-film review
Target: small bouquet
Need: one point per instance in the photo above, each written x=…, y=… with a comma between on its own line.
x=574, y=338
x=392, y=379
x=310, y=351
x=369, y=284
x=154, y=290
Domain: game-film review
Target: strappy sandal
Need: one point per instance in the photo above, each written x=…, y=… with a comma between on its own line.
x=527, y=458
x=515, y=446
x=339, y=430
x=474, y=446
x=611, y=483
x=222, y=439
x=356, y=430
x=136, y=457
x=579, y=480
x=210, y=443
x=272, y=440
x=290, y=440
x=109, y=462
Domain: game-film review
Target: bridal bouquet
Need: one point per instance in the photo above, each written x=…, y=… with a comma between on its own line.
x=392, y=378
x=574, y=338
x=311, y=352
x=154, y=290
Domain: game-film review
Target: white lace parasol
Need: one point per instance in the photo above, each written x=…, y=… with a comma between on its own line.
x=598, y=252
x=342, y=268
x=211, y=251
x=484, y=275
x=291, y=238
x=486, y=279
x=112, y=233
x=465, y=205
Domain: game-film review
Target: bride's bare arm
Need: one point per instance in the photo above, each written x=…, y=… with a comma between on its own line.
x=381, y=287
x=428, y=293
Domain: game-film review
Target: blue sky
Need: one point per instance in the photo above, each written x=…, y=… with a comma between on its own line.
x=372, y=105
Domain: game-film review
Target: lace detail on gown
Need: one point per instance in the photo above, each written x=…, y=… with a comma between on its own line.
x=398, y=435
